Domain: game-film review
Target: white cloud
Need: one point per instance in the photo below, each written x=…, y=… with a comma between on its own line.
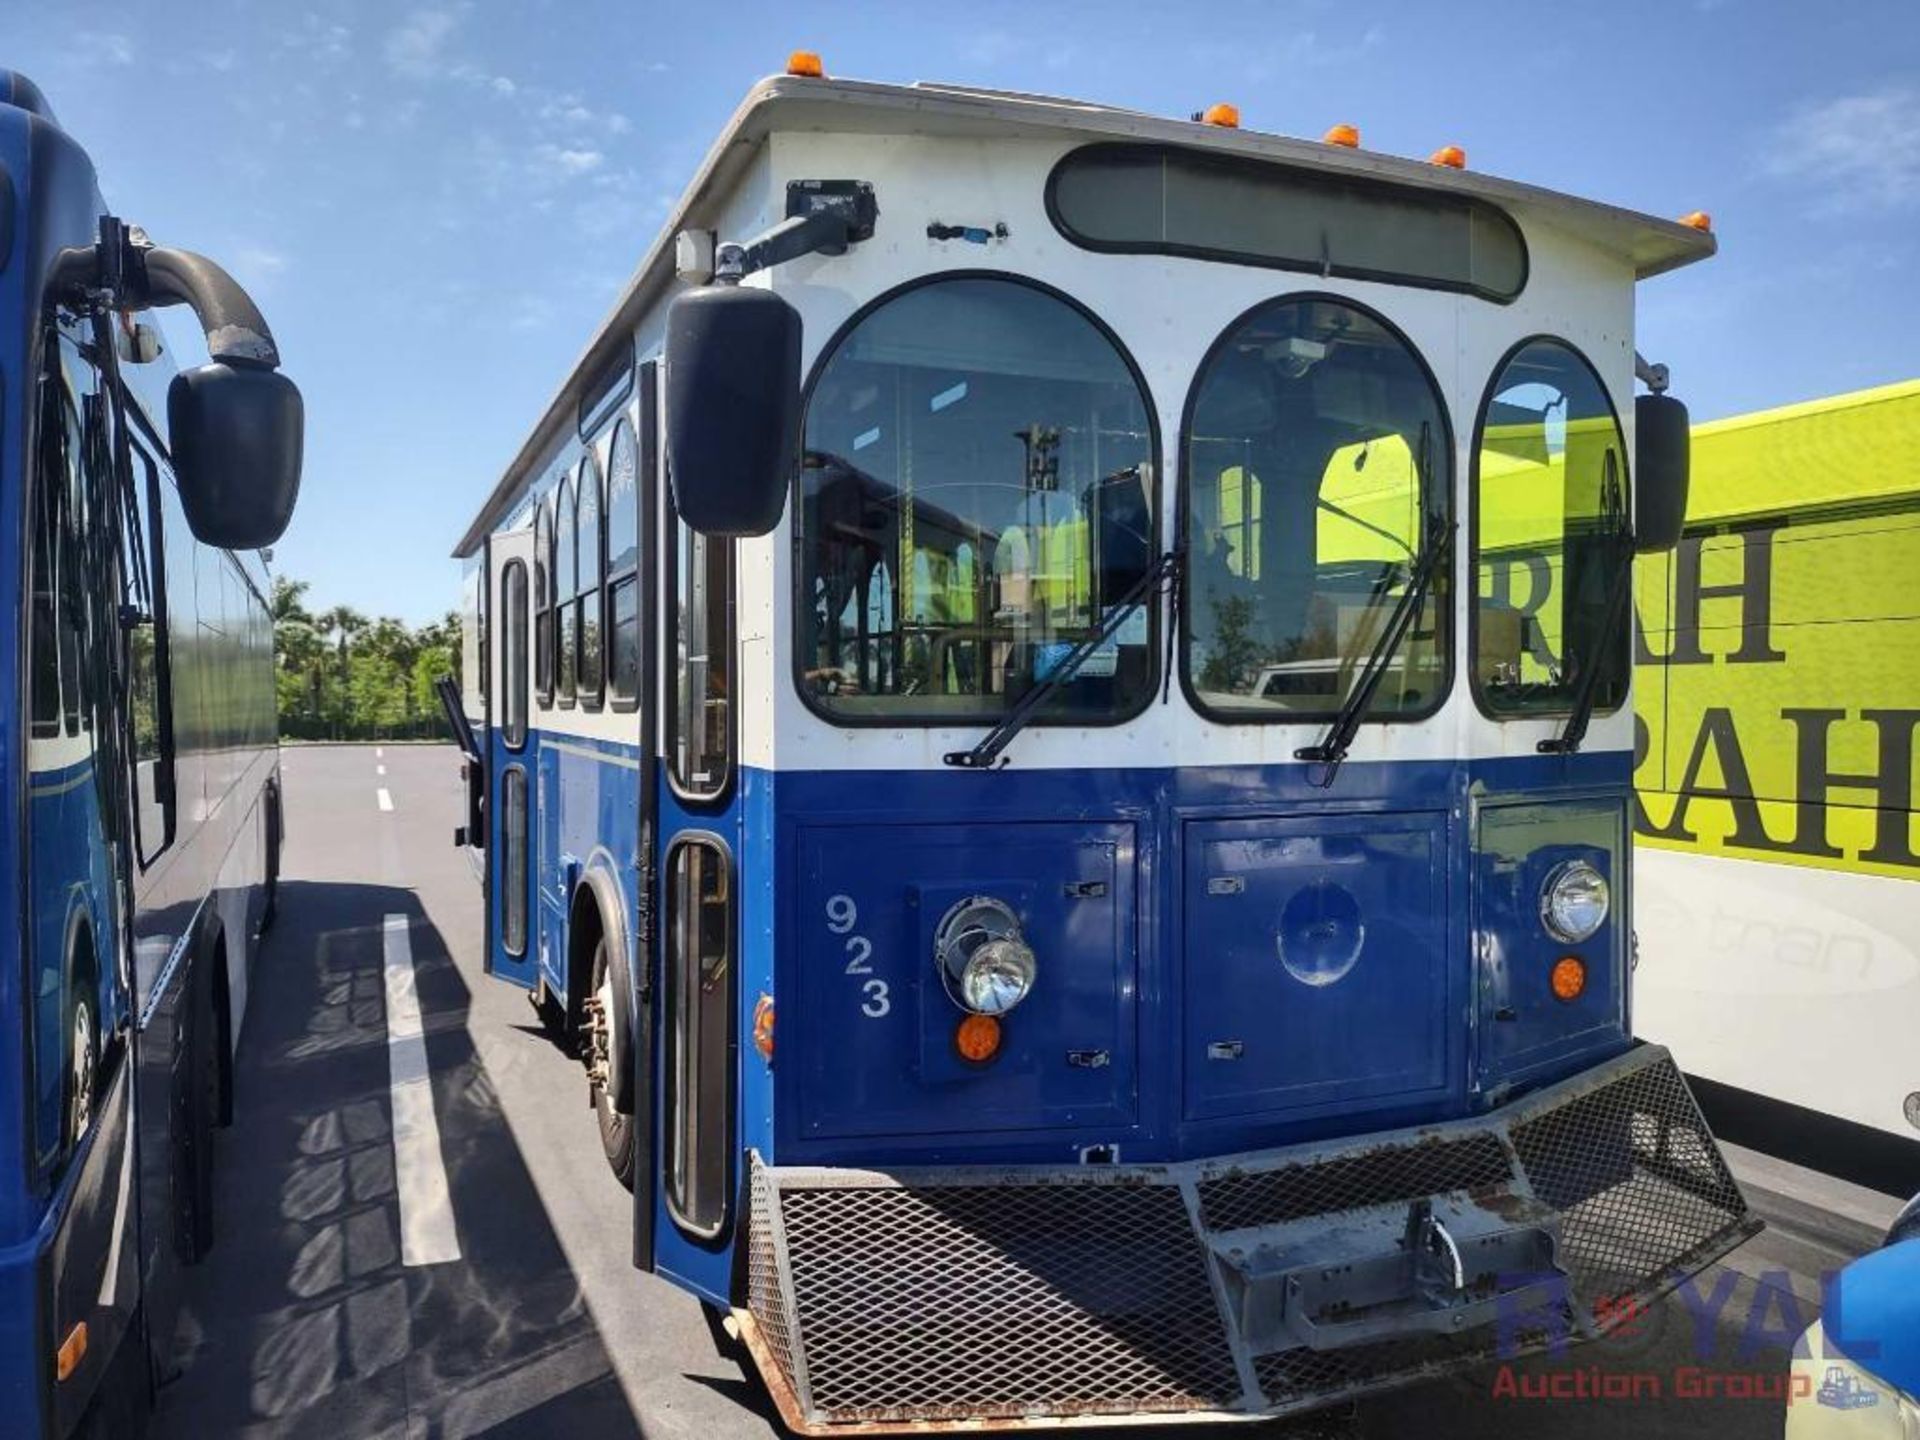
x=417, y=47
x=111, y=47
x=1855, y=154
x=258, y=260
x=574, y=162
x=318, y=41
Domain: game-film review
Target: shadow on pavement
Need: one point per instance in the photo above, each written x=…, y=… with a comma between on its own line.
x=304, y=1321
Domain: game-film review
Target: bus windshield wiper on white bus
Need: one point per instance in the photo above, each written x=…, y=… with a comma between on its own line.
x=1346, y=724
x=1567, y=742
x=986, y=754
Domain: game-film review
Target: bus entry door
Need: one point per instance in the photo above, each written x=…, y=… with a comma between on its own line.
x=509, y=745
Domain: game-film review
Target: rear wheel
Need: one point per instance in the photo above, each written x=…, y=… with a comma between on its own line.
x=606, y=1053
x=83, y=1034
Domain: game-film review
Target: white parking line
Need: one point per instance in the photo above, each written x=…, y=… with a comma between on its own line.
x=378, y=753
x=427, y=1234
x=386, y=800
x=379, y=769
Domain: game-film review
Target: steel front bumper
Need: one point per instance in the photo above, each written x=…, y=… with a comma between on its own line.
x=1254, y=1285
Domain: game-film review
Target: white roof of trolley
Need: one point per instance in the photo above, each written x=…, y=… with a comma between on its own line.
x=792, y=102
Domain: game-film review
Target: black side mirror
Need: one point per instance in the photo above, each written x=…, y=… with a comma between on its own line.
x=732, y=407
x=1661, y=450
x=236, y=434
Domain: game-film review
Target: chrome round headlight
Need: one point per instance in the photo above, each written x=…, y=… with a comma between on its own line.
x=986, y=963
x=1574, y=901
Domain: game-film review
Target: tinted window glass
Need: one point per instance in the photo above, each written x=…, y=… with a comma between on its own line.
x=592, y=549
x=699, y=732
x=1550, y=482
x=1135, y=198
x=566, y=585
x=623, y=556
x=1316, y=463
x=976, y=492
x=513, y=654
x=543, y=601
x=699, y=1036
x=513, y=861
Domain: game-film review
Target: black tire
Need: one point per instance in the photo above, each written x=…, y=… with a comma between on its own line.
x=616, y=1129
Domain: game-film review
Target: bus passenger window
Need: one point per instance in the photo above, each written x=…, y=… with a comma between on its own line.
x=543, y=602
x=566, y=585
x=699, y=723
x=623, y=566
x=513, y=654
x=144, y=593
x=1550, y=488
x=592, y=568
x=699, y=1036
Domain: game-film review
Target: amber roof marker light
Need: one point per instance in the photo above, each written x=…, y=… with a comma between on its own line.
x=1342, y=134
x=1698, y=220
x=1451, y=156
x=1226, y=116
x=806, y=63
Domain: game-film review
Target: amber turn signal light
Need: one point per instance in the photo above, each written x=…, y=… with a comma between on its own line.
x=805, y=62
x=72, y=1351
x=763, y=1027
x=1569, y=977
x=1343, y=134
x=977, y=1038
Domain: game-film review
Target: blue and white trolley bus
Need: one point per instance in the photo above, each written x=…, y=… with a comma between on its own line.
x=1014, y=734
x=138, y=763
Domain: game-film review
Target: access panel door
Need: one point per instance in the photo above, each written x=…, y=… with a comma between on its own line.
x=510, y=951
x=1316, y=969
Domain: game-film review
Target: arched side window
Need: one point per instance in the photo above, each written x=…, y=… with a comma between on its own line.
x=566, y=588
x=623, y=566
x=977, y=492
x=592, y=641
x=1550, y=535
x=1317, y=476
x=543, y=601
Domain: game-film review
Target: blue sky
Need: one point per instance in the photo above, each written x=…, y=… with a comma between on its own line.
x=437, y=203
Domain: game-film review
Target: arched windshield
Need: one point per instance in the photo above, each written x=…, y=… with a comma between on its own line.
x=976, y=492
x=1317, y=474
x=1550, y=483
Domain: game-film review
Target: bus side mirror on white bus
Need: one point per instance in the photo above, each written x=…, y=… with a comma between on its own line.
x=1661, y=450
x=732, y=407
x=236, y=433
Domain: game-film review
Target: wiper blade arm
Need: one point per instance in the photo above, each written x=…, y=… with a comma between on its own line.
x=1346, y=723
x=1567, y=742
x=984, y=755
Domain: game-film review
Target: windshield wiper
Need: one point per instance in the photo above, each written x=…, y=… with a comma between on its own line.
x=984, y=755
x=1346, y=724
x=1567, y=742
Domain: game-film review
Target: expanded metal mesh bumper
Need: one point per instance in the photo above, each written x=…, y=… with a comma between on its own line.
x=919, y=1297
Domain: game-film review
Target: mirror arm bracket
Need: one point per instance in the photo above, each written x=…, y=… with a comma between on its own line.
x=1653, y=376
x=824, y=217
x=129, y=273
